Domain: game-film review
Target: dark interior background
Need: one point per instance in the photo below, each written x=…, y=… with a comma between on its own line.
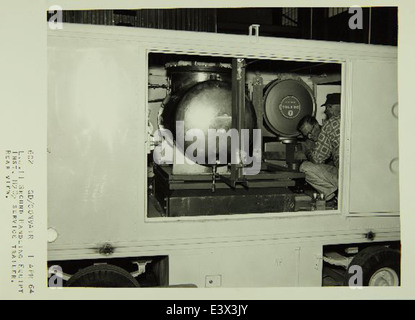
x=380, y=24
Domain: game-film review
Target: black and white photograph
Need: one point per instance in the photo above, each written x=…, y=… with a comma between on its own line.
x=211, y=147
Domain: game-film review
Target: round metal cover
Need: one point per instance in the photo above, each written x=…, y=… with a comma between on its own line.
x=286, y=103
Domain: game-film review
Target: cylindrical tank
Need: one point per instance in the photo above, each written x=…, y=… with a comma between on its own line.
x=286, y=102
x=201, y=98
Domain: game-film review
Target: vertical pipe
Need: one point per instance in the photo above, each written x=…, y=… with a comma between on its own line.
x=238, y=113
x=238, y=93
x=257, y=98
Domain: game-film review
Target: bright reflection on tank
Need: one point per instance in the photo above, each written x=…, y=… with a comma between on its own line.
x=204, y=105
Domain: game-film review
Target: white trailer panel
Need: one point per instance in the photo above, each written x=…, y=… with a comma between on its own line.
x=97, y=160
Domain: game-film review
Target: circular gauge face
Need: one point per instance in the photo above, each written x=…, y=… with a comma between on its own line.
x=286, y=103
x=290, y=107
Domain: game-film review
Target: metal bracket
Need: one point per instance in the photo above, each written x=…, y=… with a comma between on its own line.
x=57, y=271
x=252, y=28
x=232, y=182
x=141, y=267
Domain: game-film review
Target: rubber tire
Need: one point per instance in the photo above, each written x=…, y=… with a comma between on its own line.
x=103, y=276
x=372, y=259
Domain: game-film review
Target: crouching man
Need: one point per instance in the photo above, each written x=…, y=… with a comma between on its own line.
x=322, y=148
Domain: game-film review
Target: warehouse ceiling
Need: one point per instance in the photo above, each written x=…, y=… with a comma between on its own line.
x=379, y=24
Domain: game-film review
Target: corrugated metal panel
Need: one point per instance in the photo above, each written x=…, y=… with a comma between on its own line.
x=290, y=17
x=176, y=19
x=335, y=11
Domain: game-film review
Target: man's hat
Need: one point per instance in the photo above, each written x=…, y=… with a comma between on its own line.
x=332, y=98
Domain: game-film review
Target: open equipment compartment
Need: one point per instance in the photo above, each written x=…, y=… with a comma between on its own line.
x=221, y=96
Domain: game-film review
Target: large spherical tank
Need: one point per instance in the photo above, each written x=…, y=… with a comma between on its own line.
x=185, y=74
x=286, y=102
x=205, y=105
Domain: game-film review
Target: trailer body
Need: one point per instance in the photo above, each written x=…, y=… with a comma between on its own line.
x=98, y=143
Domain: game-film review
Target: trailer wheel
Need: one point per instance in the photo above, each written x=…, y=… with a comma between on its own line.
x=102, y=276
x=380, y=267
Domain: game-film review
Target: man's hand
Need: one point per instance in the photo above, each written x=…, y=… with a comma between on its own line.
x=307, y=145
x=304, y=149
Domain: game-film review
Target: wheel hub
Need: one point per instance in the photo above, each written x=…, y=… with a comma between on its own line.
x=385, y=277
